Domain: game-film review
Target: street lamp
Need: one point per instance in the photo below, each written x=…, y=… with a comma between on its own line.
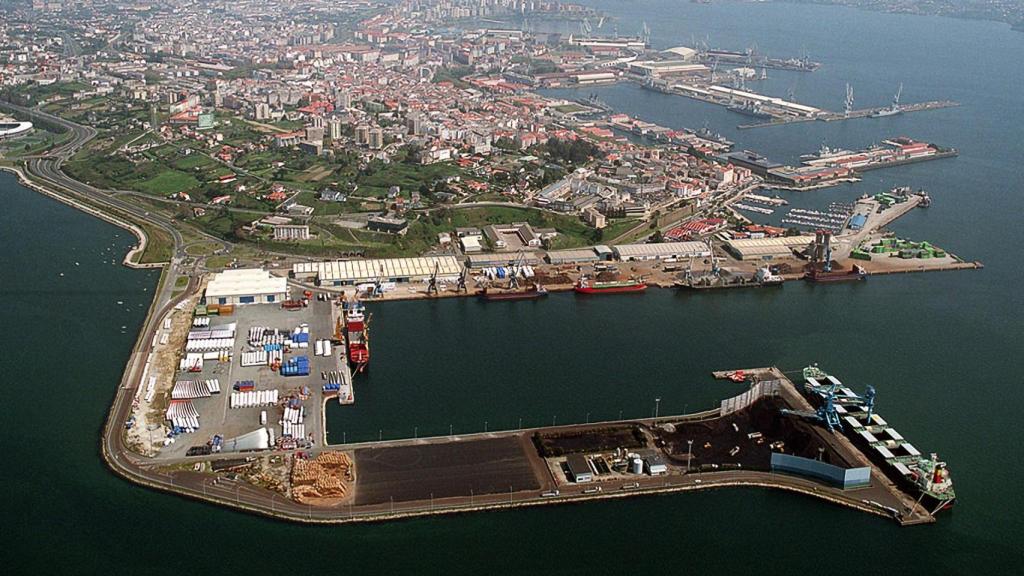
x=689, y=454
x=657, y=406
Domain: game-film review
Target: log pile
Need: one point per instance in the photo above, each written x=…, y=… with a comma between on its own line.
x=326, y=477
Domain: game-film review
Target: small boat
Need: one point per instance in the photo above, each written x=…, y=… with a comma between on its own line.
x=531, y=293
x=585, y=286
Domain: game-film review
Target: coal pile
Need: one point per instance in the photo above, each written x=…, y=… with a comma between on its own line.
x=746, y=439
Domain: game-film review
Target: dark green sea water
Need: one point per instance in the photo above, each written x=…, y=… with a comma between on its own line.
x=943, y=350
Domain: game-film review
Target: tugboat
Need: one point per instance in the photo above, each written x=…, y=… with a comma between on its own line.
x=585, y=286
x=357, y=335
x=531, y=293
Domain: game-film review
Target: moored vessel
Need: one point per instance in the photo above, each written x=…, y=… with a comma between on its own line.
x=586, y=286
x=856, y=272
x=357, y=335
x=496, y=294
x=927, y=479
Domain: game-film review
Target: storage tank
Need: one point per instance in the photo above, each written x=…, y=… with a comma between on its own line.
x=638, y=466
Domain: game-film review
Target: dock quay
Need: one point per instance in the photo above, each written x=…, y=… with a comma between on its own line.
x=852, y=115
x=735, y=444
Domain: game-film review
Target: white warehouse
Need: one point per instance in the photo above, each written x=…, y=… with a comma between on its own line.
x=246, y=286
x=661, y=251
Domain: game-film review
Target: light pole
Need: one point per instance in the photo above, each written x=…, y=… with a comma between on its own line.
x=588, y=417
x=485, y=426
x=415, y=431
x=689, y=454
x=657, y=406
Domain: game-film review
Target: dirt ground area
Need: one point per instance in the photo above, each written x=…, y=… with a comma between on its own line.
x=164, y=367
x=589, y=440
x=449, y=469
x=715, y=441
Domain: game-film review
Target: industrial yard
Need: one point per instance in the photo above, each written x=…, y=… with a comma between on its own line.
x=230, y=378
x=769, y=436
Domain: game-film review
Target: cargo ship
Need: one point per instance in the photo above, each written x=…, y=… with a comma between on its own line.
x=585, y=286
x=357, y=335
x=927, y=479
x=855, y=273
x=496, y=294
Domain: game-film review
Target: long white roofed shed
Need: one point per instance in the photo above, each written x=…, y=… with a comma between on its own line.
x=246, y=286
x=627, y=252
x=766, y=248
x=348, y=272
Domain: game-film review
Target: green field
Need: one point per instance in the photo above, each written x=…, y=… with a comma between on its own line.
x=407, y=176
x=168, y=182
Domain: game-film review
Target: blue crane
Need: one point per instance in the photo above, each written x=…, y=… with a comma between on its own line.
x=825, y=414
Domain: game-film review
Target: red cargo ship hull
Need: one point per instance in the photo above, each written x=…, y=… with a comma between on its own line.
x=611, y=289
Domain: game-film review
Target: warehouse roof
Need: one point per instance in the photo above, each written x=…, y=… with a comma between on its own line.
x=572, y=255
x=245, y=282
x=371, y=269
x=756, y=247
x=664, y=249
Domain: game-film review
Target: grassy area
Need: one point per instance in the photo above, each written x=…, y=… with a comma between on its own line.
x=616, y=228
x=322, y=208
x=203, y=249
x=159, y=248
x=405, y=175
x=181, y=282
x=569, y=108
x=168, y=182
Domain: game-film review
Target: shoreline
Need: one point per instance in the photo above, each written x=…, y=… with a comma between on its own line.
x=140, y=234
x=125, y=464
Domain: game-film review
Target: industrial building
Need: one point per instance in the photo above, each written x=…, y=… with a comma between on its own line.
x=501, y=259
x=291, y=232
x=766, y=248
x=573, y=256
x=246, y=286
x=636, y=252
x=579, y=469
x=845, y=478
x=654, y=463
x=661, y=68
x=351, y=272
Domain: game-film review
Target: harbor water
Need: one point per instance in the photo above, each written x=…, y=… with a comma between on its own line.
x=942, y=349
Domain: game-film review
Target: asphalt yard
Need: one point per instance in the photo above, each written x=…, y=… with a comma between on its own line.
x=442, y=470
